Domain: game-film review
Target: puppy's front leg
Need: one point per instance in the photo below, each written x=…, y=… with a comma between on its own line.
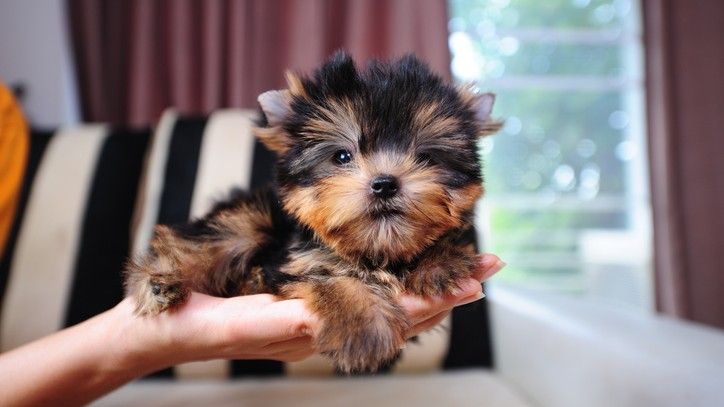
x=363, y=326
x=159, y=279
x=440, y=269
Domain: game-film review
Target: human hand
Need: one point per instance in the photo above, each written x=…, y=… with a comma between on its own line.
x=205, y=327
x=264, y=327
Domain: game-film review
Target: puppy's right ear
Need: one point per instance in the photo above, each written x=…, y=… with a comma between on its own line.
x=276, y=105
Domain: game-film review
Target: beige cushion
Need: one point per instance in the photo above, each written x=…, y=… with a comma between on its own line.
x=460, y=388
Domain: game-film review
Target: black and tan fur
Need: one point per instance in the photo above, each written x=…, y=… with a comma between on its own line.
x=323, y=234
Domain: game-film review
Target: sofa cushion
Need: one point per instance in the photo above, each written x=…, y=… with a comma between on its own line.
x=71, y=233
x=472, y=388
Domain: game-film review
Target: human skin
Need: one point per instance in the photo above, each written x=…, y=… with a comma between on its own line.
x=83, y=362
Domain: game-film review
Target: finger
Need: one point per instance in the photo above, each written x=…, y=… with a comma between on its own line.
x=419, y=308
x=292, y=317
x=492, y=271
x=288, y=355
x=469, y=299
x=488, y=265
x=257, y=320
x=256, y=300
x=294, y=356
x=291, y=345
x=302, y=345
x=427, y=324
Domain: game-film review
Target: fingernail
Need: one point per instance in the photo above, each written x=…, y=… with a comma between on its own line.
x=491, y=271
x=488, y=261
x=471, y=298
x=495, y=268
x=467, y=286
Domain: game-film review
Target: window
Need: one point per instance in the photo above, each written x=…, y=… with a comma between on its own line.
x=567, y=203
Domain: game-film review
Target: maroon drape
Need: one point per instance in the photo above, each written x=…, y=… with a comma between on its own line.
x=685, y=95
x=136, y=57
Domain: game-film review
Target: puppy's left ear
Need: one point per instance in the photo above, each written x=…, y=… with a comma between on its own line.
x=482, y=105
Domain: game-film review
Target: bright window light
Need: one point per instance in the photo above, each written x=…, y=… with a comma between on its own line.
x=567, y=203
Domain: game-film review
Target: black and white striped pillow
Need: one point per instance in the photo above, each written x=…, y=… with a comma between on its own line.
x=90, y=199
x=71, y=233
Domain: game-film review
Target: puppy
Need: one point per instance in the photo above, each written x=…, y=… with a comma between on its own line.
x=378, y=172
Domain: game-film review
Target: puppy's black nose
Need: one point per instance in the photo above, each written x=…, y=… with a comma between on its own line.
x=384, y=186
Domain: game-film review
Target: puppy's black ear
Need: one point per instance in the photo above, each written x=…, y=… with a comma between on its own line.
x=338, y=75
x=276, y=106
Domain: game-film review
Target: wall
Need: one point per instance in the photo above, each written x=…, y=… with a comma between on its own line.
x=35, y=50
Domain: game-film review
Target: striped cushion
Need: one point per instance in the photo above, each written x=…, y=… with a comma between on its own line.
x=71, y=234
x=90, y=199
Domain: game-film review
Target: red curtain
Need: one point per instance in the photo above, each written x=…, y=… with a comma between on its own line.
x=134, y=58
x=685, y=97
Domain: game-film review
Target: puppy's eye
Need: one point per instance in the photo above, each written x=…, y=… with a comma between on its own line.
x=342, y=157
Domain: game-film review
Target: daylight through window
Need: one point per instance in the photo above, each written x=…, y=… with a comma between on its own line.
x=566, y=179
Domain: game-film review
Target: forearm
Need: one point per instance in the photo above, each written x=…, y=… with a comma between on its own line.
x=81, y=363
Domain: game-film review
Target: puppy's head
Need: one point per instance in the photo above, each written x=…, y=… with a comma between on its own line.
x=380, y=162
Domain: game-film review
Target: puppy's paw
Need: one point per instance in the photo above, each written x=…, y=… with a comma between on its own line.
x=364, y=347
x=159, y=293
x=440, y=273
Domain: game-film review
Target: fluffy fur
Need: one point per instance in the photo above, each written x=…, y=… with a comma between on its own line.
x=378, y=172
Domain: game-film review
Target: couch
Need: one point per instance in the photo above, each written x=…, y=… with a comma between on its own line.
x=92, y=196
x=94, y=192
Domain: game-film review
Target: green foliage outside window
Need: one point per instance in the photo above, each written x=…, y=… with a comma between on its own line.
x=568, y=161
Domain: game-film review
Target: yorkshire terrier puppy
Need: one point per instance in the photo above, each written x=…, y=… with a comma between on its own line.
x=378, y=172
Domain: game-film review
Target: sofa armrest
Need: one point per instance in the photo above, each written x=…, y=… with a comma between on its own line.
x=570, y=352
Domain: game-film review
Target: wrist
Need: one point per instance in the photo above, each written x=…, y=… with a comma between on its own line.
x=150, y=343
x=136, y=344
